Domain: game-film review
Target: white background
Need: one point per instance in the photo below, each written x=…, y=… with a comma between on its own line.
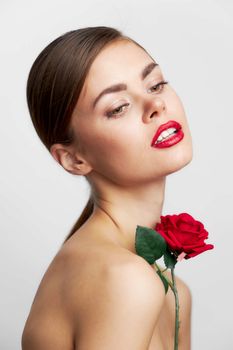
x=39, y=201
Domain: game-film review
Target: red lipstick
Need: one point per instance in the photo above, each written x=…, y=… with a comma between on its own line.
x=167, y=140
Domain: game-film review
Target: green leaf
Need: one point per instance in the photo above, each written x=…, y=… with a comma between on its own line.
x=149, y=244
x=165, y=282
x=169, y=259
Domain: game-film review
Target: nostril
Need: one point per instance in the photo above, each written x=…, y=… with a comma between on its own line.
x=153, y=114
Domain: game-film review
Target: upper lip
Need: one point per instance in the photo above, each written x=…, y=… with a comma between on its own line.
x=169, y=124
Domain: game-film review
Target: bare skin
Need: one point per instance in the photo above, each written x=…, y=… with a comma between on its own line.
x=65, y=298
x=127, y=177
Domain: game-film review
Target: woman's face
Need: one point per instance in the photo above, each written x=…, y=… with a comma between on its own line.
x=115, y=128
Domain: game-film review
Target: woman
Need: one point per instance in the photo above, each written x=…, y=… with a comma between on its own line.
x=97, y=100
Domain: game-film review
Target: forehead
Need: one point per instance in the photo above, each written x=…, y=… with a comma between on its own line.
x=118, y=58
x=118, y=62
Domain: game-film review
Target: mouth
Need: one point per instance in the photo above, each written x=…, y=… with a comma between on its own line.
x=167, y=135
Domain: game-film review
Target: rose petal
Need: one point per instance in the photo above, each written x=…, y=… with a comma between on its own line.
x=173, y=220
x=200, y=250
x=170, y=238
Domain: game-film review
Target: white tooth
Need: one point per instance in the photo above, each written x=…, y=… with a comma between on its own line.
x=160, y=138
x=165, y=133
x=171, y=130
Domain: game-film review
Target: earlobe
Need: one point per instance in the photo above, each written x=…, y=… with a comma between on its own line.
x=71, y=163
x=77, y=166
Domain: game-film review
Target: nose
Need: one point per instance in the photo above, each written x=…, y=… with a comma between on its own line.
x=154, y=107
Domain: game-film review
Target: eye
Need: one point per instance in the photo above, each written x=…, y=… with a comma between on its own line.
x=116, y=111
x=158, y=87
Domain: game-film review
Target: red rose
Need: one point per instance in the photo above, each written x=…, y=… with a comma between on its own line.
x=183, y=234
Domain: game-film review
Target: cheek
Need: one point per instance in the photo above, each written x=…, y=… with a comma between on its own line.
x=116, y=152
x=112, y=148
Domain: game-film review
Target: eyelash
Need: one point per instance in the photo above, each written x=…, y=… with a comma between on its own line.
x=112, y=113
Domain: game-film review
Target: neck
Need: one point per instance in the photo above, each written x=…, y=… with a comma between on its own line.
x=121, y=210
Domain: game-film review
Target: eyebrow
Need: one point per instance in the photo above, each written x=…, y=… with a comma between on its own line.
x=121, y=86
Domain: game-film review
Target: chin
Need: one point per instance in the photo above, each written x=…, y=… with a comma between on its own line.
x=181, y=160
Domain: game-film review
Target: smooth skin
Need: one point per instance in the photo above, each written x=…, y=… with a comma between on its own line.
x=97, y=292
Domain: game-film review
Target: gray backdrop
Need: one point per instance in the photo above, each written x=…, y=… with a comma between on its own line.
x=192, y=41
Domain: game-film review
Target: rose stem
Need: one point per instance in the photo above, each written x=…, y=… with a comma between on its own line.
x=174, y=289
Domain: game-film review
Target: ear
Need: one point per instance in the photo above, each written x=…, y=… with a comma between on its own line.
x=71, y=162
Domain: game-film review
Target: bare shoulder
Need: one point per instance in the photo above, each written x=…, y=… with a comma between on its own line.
x=121, y=305
x=94, y=296
x=48, y=325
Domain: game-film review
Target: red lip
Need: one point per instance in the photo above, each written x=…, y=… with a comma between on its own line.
x=169, y=124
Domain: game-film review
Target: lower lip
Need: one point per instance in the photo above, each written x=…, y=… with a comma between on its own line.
x=171, y=141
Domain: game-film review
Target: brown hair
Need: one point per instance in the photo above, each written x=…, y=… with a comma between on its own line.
x=54, y=85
